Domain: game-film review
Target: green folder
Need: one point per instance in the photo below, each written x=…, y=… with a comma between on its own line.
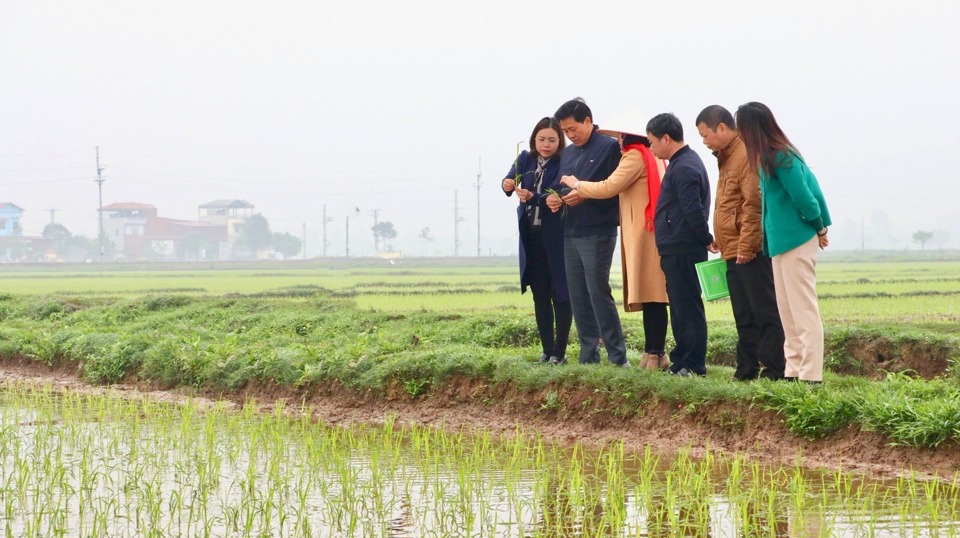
x=713, y=279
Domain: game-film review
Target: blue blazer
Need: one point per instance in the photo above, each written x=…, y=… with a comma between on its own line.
x=551, y=228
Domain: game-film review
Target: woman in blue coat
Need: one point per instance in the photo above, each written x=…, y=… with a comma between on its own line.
x=541, y=237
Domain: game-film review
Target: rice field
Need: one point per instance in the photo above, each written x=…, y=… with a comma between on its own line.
x=897, y=292
x=81, y=465
x=106, y=466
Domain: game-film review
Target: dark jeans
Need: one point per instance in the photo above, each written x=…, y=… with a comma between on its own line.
x=545, y=305
x=587, y=261
x=687, y=318
x=760, y=334
x=655, y=328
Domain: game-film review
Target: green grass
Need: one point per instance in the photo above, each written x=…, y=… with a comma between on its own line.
x=370, y=329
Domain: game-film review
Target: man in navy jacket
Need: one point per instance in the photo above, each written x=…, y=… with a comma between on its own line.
x=590, y=235
x=683, y=238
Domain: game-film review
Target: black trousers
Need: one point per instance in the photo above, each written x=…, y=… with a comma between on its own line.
x=655, y=328
x=759, y=332
x=687, y=317
x=546, y=308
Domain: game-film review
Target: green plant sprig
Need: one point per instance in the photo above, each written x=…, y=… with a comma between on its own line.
x=563, y=205
x=517, y=176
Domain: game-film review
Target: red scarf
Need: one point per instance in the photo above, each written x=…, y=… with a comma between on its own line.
x=653, y=182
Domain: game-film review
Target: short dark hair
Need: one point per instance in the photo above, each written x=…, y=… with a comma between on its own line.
x=666, y=124
x=714, y=115
x=546, y=123
x=576, y=108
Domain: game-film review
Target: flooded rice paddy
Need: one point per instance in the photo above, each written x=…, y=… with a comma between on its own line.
x=85, y=465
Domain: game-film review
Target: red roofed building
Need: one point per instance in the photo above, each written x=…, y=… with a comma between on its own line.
x=139, y=234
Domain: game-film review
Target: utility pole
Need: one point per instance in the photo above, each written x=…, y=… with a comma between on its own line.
x=479, y=165
x=326, y=219
x=100, y=181
x=457, y=219
x=357, y=211
x=52, y=211
x=304, y=240
x=376, y=233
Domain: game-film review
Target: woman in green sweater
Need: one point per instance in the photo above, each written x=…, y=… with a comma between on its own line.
x=795, y=220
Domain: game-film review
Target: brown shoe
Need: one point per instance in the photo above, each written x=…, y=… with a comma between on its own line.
x=649, y=361
x=656, y=362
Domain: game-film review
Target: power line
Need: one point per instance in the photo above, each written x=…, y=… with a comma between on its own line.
x=45, y=151
x=54, y=169
x=271, y=170
x=235, y=180
x=39, y=181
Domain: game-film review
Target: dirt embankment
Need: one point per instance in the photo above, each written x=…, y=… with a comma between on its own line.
x=566, y=417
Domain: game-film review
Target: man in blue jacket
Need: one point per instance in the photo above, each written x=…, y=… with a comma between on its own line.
x=683, y=238
x=590, y=235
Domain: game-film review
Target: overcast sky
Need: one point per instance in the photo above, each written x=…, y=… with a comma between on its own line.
x=389, y=106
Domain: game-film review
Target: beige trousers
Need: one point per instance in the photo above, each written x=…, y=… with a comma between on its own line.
x=795, y=281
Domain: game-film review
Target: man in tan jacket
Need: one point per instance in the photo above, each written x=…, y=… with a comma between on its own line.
x=738, y=235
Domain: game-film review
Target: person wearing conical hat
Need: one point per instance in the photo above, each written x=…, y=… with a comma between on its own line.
x=637, y=182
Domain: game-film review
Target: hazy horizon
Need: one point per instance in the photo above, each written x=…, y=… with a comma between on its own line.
x=390, y=108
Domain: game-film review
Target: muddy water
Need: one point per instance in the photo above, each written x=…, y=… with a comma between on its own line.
x=87, y=466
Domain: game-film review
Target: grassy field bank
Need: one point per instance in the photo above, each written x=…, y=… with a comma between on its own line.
x=370, y=329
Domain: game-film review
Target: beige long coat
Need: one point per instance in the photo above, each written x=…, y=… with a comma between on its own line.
x=643, y=280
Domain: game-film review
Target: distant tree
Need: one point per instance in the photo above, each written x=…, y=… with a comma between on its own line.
x=287, y=244
x=383, y=231
x=255, y=234
x=59, y=236
x=426, y=236
x=922, y=237
x=193, y=245
x=79, y=248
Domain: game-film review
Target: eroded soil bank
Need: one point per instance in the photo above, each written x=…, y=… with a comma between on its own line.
x=582, y=416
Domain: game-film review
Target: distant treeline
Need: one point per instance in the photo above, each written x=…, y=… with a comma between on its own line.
x=397, y=265
x=944, y=255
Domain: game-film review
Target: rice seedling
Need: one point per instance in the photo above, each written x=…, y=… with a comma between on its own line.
x=77, y=465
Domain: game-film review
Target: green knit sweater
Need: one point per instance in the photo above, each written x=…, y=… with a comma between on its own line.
x=793, y=206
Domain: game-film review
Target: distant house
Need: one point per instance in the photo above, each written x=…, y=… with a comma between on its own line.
x=13, y=245
x=230, y=213
x=125, y=225
x=138, y=233
x=10, y=215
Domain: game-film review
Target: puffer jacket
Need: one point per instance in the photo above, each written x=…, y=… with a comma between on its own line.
x=736, y=213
